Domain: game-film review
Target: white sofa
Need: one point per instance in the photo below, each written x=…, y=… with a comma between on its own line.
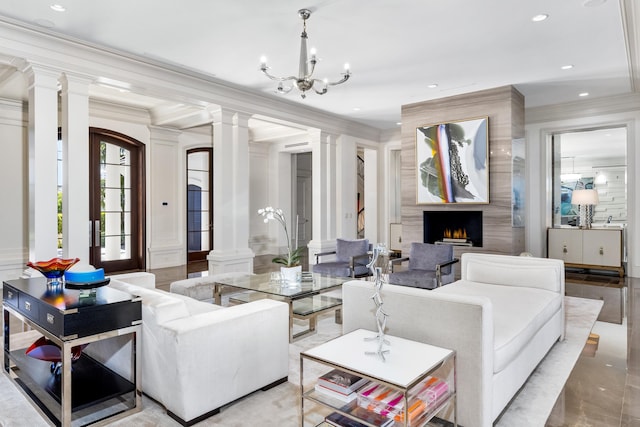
x=196, y=356
x=501, y=317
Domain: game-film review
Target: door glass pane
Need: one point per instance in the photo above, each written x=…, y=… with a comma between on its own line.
x=115, y=202
x=199, y=220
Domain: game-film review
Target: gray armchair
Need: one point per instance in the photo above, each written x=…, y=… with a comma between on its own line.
x=430, y=266
x=351, y=259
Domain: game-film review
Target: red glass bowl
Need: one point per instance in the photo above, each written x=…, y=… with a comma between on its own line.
x=54, y=268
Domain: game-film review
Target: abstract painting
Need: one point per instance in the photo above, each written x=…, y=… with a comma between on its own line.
x=452, y=162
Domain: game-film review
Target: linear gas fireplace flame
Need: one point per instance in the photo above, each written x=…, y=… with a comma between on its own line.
x=458, y=235
x=453, y=227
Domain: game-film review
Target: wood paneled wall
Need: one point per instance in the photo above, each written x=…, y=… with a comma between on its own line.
x=504, y=107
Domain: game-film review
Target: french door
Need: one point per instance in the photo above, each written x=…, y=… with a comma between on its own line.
x=117, y=194
x=199, y=203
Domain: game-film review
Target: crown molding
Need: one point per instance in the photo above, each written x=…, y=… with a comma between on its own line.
x=630, y=11
x=583, y=108
x=161, y=80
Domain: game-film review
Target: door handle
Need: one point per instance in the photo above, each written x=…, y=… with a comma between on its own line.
x=96, y=232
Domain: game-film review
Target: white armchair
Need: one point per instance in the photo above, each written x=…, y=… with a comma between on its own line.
x=196, y=356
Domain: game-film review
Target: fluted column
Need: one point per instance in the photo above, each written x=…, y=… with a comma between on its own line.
x=75, y=158
x=324, y=192
x=230, y=193
x=347, y=191
x=43, y=176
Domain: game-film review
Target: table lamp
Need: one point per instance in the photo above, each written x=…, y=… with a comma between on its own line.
x=585, y=199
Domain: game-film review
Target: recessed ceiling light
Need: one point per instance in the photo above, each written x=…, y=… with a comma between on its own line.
x=567, y=67
x=58, y=7
x=399, y=123
x=432, y=86
x=583, y=94
x=356, y=108
x=540, y=17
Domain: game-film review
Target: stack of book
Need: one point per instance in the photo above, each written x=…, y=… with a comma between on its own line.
x=389, y=402
x=340, y=385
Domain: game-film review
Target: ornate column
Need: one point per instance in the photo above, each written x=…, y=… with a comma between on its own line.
x=230, y=194
x=324, y=193
x=75, y=159
x=43, y=176
x=347, y=191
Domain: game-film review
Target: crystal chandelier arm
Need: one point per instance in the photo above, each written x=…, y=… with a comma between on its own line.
x=326, y=84
x=264, y=69
x=345, y=77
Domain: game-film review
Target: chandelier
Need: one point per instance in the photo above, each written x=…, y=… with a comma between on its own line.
x=305, y=80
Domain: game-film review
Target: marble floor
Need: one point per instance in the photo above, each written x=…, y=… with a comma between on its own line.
x=603, y=390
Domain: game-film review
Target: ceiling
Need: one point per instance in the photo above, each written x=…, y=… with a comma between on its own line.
x=396, y=49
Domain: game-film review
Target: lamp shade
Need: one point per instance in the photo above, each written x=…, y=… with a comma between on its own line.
x=584, y=197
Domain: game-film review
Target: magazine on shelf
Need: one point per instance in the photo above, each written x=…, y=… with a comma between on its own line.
x=341, y=381
x=346, y=398
x=339, y=420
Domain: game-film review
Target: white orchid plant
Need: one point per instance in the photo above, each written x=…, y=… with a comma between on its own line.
x=292, y=258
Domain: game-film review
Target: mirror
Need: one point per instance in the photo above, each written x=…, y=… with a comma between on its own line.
x=594, y=158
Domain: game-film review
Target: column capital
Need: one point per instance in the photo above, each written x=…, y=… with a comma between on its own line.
x=241, y=119
x=75, y=83
x=321, y=136
x=223, y=116
x=41, y=75
x=165, y=134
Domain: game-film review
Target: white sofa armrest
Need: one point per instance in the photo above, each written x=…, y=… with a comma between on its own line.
x=139, y=278
x=461, y=323
x=241, y=348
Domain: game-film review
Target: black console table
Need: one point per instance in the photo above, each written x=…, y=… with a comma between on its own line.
x=84, y=391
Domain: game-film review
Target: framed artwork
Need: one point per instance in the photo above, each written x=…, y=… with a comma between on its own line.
x=518, y=184
x=452, y=162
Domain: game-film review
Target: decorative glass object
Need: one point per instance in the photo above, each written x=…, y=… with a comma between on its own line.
x=379, y=266
x=54, y=269
x=45, y=349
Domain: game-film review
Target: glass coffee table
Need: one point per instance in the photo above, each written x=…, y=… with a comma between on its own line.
x=306, y=299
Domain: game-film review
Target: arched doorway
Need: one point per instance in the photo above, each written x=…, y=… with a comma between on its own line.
x=117, y=200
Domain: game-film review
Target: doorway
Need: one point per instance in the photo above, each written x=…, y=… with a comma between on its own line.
x=117, y=198
x=199, y=204
x=303, y=203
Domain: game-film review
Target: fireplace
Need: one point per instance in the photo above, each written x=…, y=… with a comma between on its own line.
x=453, y=227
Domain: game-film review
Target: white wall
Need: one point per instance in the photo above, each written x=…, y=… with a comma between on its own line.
x=259, y=240
x=541, y=123
x=14, y=243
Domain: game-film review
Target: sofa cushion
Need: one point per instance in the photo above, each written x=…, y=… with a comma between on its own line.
x=518, y=314
x=345, y=249
x=514, y=271
x=414, y=278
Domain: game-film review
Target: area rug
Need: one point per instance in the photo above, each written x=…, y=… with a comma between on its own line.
x=280, y=406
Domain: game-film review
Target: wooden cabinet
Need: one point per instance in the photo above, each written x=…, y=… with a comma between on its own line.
x=592, y=248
